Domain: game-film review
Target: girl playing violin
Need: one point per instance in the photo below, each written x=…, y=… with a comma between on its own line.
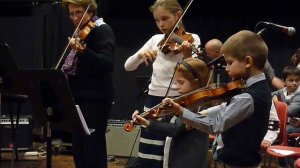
x=184, y=146
x=88, y=68
x=165, y=13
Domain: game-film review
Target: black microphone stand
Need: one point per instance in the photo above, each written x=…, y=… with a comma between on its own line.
x=218, y=69
x=261, y=31
x=217, y=65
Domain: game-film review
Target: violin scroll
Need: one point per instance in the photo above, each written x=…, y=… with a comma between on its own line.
x=128, y=126
x=154, y=113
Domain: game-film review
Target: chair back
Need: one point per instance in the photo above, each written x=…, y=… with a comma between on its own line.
x=7, y=62
x=281, y=109
x=297, y=163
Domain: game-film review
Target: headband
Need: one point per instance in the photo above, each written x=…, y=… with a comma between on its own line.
x=189, y=68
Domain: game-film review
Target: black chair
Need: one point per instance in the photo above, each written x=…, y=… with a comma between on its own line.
x=9, y=95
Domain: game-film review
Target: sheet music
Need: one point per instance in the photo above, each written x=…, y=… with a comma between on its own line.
x=283, y=152
x=85, y=127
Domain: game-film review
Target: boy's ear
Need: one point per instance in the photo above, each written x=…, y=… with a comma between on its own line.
x=248, y=61
x=284, y=83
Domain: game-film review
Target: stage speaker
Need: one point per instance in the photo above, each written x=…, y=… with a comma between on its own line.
x=23, y=134
x=119, y=142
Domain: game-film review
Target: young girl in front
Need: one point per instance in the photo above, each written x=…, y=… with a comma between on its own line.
x=165, y=13
x=185, y=146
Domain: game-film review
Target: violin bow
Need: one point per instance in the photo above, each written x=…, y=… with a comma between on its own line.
x=169, y=36
x=211, y=72
x=74, y=34
x=176, y=24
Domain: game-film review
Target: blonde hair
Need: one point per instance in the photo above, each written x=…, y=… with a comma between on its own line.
x=246, y=43
x=200, y=69
x=83, y=3
x=171, y=5
x=296, y=58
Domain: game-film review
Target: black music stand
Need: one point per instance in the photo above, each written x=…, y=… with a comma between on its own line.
x=52, y=103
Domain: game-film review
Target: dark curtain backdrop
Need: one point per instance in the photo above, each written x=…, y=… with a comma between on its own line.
x=37, y=34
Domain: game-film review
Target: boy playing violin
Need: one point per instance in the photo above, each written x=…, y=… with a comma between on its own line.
x=242, y=122
x=184, y=146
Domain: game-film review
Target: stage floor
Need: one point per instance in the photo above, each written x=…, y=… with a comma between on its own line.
x=65, y=160
x=58, y=161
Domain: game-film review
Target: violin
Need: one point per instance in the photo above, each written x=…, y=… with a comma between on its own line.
x=200, y=96
x=196, y=97
x=86, y=30
x=176, y=38
x=81, y=35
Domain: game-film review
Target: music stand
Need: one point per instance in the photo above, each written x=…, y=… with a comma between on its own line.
x=52, y=103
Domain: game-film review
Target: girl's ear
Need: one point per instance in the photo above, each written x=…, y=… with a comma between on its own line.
x=196, y=83
x=178, y=14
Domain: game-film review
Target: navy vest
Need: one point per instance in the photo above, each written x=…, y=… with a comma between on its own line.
x=242, y=142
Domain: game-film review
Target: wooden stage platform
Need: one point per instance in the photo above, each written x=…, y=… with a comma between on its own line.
x=65, y=160
x=58, y=161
